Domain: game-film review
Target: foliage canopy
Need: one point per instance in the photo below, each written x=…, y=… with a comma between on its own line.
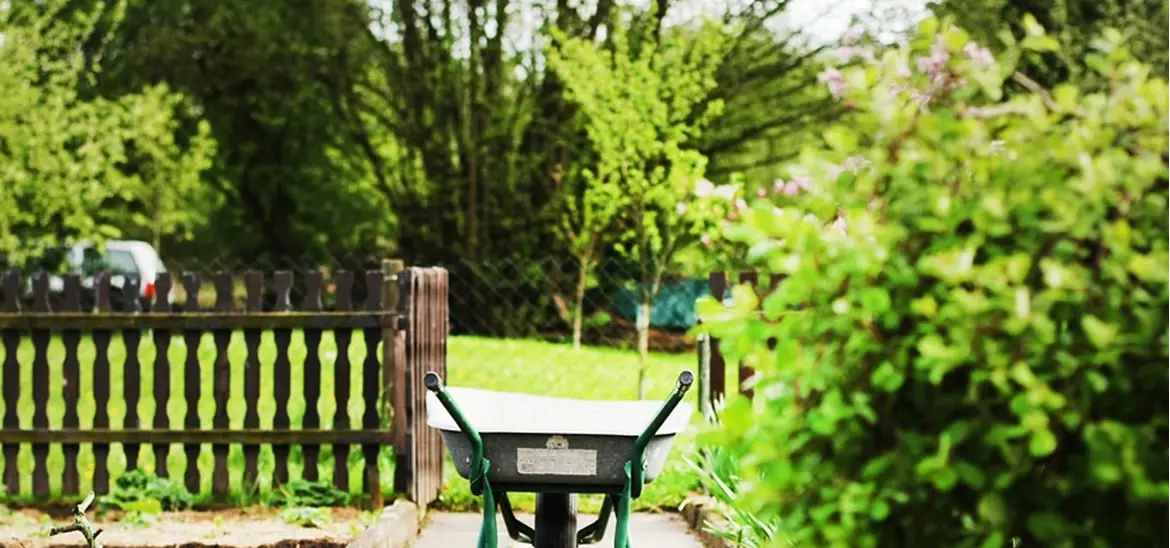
x=977, y=354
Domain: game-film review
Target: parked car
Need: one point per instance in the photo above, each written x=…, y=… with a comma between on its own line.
x=121, y=259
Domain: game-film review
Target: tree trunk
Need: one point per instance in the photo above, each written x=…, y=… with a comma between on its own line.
x=579, y=311
x=157, y=221
x=643, y=343
x=582, y=280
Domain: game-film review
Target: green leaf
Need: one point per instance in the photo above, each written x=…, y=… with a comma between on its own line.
x=993, y=509
x=887, y=378
x=841, y=139
x=1046, y=526
x=1040, y=43
x=875, y=300
x=994, y=540
x=1042, y=443
x=945, y=479
x=970, y=474
x=1101, y=334
x=1032, y=27
x=880, y=510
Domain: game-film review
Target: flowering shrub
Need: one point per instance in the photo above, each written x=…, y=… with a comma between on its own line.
x=976, y=353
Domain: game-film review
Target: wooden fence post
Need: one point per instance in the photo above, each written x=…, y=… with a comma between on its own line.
x=717, y=282
x=391, y=268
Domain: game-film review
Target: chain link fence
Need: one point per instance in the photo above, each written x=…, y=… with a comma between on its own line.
x=499, y=299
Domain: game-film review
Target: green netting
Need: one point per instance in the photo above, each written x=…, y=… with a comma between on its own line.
x=674, y=307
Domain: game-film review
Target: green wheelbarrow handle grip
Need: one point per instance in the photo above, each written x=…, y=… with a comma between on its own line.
x=478, y=463
x=685, y=380
x=433, y=382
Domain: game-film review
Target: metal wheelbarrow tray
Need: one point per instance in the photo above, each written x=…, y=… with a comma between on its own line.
x=556, y=447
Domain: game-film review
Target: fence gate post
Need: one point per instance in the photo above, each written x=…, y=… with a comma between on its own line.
x=418, y=463
x=391, y=270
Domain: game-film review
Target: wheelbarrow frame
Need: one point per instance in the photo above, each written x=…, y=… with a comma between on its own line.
x=617, y=498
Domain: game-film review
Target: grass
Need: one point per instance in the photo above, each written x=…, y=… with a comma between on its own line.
x=497, y=364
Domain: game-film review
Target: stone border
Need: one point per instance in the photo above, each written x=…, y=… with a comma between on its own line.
x=396, y=527
x=699, y=512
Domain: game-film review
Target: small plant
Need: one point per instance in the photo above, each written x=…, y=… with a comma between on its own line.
x=140, y=486
x=315, y=494
x=315, y=518
x=11, y=517
x=216, y=531
x=141, y=513
x=718, y=471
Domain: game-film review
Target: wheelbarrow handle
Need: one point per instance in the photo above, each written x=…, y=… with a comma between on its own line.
x=685, y=380
x=435, y=384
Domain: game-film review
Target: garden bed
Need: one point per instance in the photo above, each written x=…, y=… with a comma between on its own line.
x=237, y=527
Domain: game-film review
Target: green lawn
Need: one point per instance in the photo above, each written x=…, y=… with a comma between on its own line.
x=514, y=365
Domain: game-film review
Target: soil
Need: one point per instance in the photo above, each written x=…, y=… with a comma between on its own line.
x=236, y=528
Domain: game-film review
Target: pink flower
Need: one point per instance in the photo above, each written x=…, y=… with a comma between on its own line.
x=847, y=53
x=740, y=203
x=978, y=54
x=793, y=187
x=853, y=35
x=938, y=50
x=778, y=185
x=725, y=192
x=840, y=225
x=706, y=239
x=680, y=208
x=856, y=163
x=902, y=69
x=762, y=192
x=834, y=80
x=704, y=188
x=936, y=63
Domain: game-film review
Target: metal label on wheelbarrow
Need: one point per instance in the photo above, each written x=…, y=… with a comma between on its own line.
x=556, y=459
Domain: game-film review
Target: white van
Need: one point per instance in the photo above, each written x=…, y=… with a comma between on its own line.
x=120, y=258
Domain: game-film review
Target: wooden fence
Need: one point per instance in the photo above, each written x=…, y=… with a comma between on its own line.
x=719, y=284
x=418, y=464
x=384, y=368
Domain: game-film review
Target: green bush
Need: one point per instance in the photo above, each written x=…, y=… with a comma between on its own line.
x=144, y=492
x=312, y=494
x=973, y=328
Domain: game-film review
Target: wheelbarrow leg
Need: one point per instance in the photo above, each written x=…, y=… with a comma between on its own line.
x=516, y=530
x=594, y=532
x=489, y=536
x=621, y=511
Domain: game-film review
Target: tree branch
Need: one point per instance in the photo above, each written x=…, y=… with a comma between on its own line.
x=81, y=524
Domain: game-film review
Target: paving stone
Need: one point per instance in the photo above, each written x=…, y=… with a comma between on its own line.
x=449, y=530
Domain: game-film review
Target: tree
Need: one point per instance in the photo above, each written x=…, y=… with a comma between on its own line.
x=639, y=104
x=593, y=200
x=1075, y=24
x=63, y=151
x=288, y=180
x=167, y=195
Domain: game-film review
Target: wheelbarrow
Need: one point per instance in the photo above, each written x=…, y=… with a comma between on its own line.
x=557, y=448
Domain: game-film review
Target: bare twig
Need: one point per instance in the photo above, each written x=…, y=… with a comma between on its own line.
x=81, y=524
x=1034, y=87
